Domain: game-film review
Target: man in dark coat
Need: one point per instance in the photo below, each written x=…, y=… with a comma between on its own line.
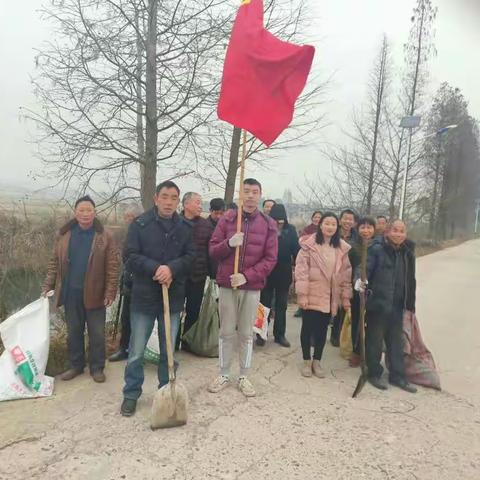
x=279, y=281
x=195, y=284
x=159, y=251
x=392, y=286
x=348, y=233
x=125, y=291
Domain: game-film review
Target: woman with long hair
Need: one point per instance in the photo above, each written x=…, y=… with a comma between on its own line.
x=323, y=281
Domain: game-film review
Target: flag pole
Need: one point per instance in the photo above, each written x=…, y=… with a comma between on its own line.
x=240, y=199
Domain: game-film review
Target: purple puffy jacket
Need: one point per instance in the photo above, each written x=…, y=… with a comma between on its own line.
x=258, y=255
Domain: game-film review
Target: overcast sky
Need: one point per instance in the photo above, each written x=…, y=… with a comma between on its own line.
x=347, y=38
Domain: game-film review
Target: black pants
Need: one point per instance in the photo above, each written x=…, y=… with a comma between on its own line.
x=314, y=324
x=125, y=319
x=281, y=302
x=194, y=297
x=76, y=316
x=389, y=328
x=355, y=310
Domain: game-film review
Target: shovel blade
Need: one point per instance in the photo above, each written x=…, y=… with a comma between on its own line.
x=170, y=407
x=361, y=383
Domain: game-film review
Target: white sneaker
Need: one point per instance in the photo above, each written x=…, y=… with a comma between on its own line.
x=221, y=382
x=245, y=386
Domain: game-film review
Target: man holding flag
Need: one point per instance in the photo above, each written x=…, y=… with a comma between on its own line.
x=240, y=292
x=263, y=77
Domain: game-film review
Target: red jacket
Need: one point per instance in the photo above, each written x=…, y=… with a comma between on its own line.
x=258, y=255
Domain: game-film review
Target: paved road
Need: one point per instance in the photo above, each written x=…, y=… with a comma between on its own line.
x=295, y=428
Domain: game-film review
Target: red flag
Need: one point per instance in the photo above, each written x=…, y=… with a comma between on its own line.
x=262, y=76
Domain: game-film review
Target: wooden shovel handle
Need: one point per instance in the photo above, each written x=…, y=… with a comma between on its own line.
x=168, y=332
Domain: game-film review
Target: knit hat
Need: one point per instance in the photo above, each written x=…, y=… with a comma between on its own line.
x=278, y=212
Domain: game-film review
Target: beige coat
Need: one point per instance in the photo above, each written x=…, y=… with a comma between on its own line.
x=312, y=284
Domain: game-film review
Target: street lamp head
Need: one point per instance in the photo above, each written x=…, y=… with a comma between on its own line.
x=446, y=129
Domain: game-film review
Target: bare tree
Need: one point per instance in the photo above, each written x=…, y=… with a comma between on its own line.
x=358, y=169
x=124, y=87
x=418, y=51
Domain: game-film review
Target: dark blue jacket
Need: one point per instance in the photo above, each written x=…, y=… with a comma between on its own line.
x=149, y=246
x=387, y=269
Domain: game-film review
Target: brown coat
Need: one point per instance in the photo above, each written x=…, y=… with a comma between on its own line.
x=311, y=283
x=101, y=278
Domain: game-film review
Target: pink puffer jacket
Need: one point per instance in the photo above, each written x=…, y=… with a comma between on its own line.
x=311, y=282
x=258, y=255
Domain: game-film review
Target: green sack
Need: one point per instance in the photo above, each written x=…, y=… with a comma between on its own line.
x=202, y=337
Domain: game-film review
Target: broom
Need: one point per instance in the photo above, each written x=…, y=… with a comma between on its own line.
x=170, y=403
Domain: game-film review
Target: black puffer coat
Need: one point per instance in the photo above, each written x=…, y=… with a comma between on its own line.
x=147, y=247
x=384, y=272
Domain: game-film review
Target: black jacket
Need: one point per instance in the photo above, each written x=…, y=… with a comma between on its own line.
x=202, y=232
x=288, y=248
x=147, y=247
x=384, y=271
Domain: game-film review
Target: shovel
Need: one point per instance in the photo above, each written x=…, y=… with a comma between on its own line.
x=170, y=404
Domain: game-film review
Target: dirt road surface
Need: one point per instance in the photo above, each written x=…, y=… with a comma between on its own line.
x=295, y=428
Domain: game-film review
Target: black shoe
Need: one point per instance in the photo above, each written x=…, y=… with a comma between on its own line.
x=99, y=376
x=378, y=382
x=404, y=385
x=283, y=342
x=335, y=341
x=118, y=356
x=128, y=407
x=260, y=341
x=70, y=374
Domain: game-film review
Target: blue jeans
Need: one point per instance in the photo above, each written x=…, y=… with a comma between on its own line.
x=142, y=325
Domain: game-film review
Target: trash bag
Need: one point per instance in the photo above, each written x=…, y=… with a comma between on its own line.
x=419, y=364
x=152, y=350
x=202, y=336
x=261, y=321
x=346, y=347
x=26, y=338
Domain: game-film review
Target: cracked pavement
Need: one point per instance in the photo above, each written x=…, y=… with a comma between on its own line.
x=295, y=428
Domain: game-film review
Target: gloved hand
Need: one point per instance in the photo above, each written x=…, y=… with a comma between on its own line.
x=236, y=240
x=237, y=279
x=360, y=286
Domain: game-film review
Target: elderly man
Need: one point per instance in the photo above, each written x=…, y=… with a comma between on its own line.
x=84, y=273
x=391, y=279
x=129, y=216
x=195, y=285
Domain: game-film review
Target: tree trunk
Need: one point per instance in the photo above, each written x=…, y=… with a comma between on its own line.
x=378, y=110
x=232, y=165
x=138, y=87
x=149, y=177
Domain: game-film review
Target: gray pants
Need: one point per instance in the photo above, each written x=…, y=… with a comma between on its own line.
x=237, y=310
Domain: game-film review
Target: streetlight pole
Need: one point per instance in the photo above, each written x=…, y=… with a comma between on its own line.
x=407, y=122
